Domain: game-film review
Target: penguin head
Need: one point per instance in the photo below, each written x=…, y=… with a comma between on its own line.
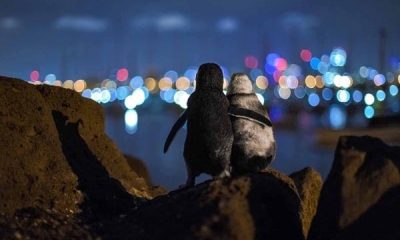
x=209, y=76
x=240, y=83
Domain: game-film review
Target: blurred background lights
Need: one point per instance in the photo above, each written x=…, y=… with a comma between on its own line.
x=96, y=94
x=338, y=57
x=151, y=84
x=262, y=82
x=369, y=112
x=69, y=84
x=369, y=99
x=190, y=74
x=394, y=90
x=80, y=85
x=284, y=93
x=280, y=64
x=380, y=95
x=357, y=96
x=130, y=102
x=182, y=83
x=251, y=62
x=165, y=83
x=305, y=55
x=337, y=117
x=310, y=81
x=314, y=62
x=379, y=79
x=50, y=78
x=87, y=93
x=122, y=74
x=172, y=75
x=327, y=94
x=300, y=92
x=122, y=92
x=34, y=76
x=131, y=121
x=105, y=96
x=364, y=72
x=343, y=96
x=136, y=82
x=313, y=99
x=139, y=96
x=271, y=58
x=254, y=73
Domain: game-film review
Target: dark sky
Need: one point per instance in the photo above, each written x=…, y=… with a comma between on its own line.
x=81, y=39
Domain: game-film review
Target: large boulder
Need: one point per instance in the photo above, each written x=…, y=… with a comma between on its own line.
x=260, y=206
x=55, y=154
x=360, y=198
x=33, y=168
x=309, y=184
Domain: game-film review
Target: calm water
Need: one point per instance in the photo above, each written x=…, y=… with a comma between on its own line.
x=296, y=149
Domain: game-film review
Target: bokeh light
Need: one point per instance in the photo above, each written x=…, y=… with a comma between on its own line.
x=69, y=84
x=369, y=99
x=34, y=76
x=136, y=82
x=80, y=85
x=165, y=83
x=343, y=96
x=369, y=112
x=262, y=82
x=380, y=95
x=251, y=62
x=394, y=90
x=337, y=117
x=305, y=55
x=338, y=57
x=357, y=96
x=313, y=99
x=122, y=74
x=131, y=121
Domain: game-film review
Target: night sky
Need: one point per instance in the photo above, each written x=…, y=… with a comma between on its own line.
x=90, y=39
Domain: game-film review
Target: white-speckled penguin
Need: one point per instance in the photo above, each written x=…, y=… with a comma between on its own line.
x=209, y=131
x=254, y=145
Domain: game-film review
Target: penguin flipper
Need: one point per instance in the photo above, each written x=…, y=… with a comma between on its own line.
x=250, y=115
x=178, y=124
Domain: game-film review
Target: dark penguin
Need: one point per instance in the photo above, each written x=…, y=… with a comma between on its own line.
x=254, y=144
x=209, y=131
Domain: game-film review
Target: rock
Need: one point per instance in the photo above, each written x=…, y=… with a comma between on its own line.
x=56, y=155
x=259, y=206
x=36, y=223
x=360, y=198
x=139, y=167
x=33, y=168
x=309, y=183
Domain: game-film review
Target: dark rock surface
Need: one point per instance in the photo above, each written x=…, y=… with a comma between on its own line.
x=259, y=206
x=360, y=198
x=309, y=184
x=55, y=154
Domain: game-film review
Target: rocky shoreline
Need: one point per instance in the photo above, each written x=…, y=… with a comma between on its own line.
x=61, y=177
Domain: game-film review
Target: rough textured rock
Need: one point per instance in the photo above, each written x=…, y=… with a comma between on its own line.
x=55, y=154
x=260, y=206
x=139, y=168
x=33, y=168
x=309, y=184
x=360, y=198
x=36, y=223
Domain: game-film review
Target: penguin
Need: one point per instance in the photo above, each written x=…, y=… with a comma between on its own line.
x=209, y=136
x=254, y=145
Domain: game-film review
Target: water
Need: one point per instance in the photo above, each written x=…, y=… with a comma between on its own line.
x=296, y=149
